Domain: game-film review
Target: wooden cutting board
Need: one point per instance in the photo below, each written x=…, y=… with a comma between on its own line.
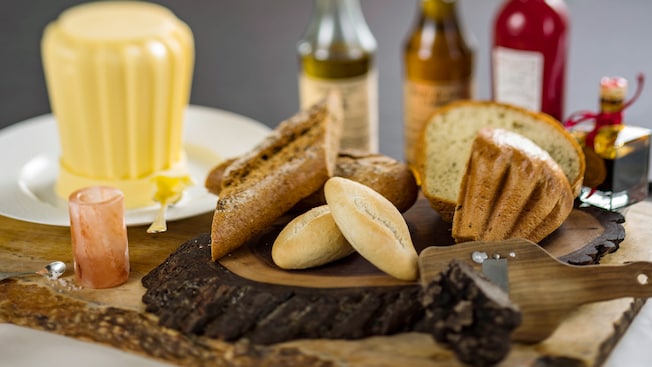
x=116, y=316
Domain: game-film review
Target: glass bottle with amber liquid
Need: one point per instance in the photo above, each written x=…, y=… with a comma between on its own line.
x=438, y=62
x=617, y=154
x=337, y=52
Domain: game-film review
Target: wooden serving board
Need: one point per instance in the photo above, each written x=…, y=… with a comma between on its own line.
x=116, y=316
x=246, y=296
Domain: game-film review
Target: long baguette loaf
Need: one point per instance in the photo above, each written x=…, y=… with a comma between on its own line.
x=213, y=181
x=389, y=177
x=291, y=163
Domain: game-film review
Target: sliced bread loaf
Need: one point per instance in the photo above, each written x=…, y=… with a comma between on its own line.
x=446, y=140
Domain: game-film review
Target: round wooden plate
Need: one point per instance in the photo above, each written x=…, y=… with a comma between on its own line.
x=586, y=236
x=245, y=295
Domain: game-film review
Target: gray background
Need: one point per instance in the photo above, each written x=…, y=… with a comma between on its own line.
x=246, y=59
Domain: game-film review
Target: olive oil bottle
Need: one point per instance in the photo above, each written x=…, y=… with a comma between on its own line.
x=337, y=52
x=438, y=62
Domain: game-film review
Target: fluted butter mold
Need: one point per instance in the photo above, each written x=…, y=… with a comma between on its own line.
x=119, y=77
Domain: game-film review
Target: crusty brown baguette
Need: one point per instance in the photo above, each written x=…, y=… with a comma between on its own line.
x=213, y=181
x=511, y=189
x=445, y=146
x=293, y=161
x=389, y=177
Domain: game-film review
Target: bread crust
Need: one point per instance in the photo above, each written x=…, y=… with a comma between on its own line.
x=385, y=175
x=389, y=177
x=538, y=127
x=213, y=181
x=373, y=226
x=309, y=240
x=511, y=189
x=291, y=163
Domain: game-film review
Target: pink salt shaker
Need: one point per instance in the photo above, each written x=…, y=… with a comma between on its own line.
x=99, y=237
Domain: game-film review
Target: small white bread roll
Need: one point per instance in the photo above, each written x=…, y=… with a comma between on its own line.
x=310, y=240
x=373, y=226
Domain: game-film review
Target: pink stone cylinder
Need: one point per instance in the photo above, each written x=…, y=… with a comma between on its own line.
x=99, y=237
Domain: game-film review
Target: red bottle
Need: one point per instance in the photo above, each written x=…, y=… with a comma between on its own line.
x=530, y=46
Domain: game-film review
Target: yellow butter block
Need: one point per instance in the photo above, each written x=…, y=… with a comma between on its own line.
x=119, y=77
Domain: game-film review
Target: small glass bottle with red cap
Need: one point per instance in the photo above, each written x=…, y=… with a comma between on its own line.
x=617, y=154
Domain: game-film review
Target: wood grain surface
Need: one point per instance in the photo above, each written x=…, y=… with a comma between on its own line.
x=116, y=316
x=544, y=288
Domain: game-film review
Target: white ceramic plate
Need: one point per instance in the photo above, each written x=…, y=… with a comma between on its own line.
x=30, y=153
x=23, y=347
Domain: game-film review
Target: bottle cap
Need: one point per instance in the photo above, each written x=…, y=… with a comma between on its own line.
x=613, y=88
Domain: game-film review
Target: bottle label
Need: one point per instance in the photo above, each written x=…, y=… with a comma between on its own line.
x=421, y=99
x=518, y=77
x=359, y=106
